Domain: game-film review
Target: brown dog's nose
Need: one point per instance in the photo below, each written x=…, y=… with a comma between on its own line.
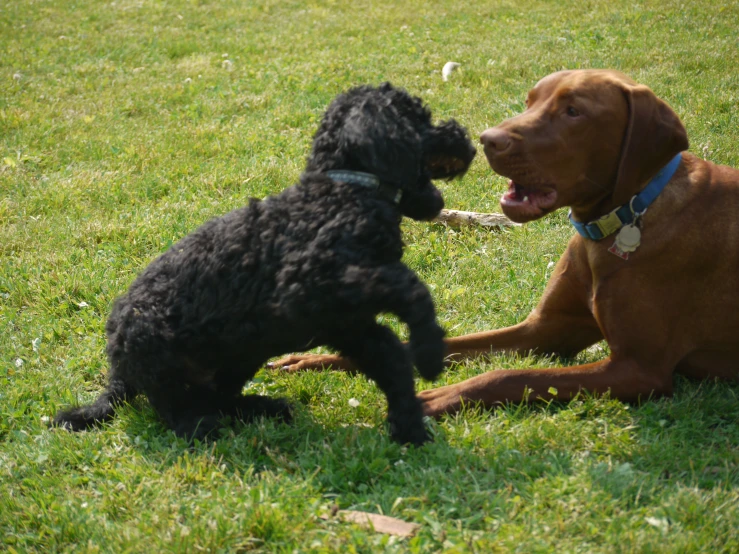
x=495, y=139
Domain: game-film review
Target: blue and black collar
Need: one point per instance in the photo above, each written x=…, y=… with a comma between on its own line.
x=626, y=214
x=369, y=181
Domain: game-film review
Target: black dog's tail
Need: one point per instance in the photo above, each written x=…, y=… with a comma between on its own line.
x=103, y=409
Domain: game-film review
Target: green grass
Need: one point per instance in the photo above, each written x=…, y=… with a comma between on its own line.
x=122, y=128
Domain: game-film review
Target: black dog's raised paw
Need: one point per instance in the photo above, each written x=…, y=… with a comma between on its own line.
x=428, y=355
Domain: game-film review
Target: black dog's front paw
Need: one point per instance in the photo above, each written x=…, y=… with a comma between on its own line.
x=428, y=354
x=414, y=437
x=407, y=427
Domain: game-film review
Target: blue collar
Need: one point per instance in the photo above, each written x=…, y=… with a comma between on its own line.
x=614, y=220
x=367, y=180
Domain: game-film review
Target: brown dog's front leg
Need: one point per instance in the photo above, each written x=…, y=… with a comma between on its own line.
x=561, y=324
x=625, y=379
x=561, y=334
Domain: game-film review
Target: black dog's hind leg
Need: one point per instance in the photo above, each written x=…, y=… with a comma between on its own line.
x=229, y=384
x=189, y=410
x=252, y=406
x=194, y=411
x=381, y=356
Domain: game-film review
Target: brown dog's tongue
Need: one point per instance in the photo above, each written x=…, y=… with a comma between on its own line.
x=543, y=199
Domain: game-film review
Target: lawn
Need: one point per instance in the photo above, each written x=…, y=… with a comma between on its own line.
x=126, y=124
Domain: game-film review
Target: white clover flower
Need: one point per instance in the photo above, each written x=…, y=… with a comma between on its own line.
x=595, y=349
x=447, y=70
x=353, y=402
x=661, y=523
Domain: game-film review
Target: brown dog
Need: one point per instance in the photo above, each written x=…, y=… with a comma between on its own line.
x=658, y=279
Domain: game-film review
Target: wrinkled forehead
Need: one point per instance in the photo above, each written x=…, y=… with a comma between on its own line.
x=592, y=83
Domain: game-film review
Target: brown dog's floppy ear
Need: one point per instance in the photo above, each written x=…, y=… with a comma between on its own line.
x=654, y=135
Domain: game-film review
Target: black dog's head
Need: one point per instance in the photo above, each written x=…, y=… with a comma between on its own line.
x=387, y=132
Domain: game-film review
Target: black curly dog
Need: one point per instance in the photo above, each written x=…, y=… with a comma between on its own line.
x=312, y=266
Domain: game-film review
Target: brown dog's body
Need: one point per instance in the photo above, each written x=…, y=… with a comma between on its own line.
x=591, y=140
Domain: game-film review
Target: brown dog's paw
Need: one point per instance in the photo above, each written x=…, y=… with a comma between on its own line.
x=443, y=400
x=310, y=362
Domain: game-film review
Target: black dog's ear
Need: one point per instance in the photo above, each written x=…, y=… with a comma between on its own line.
x=376, y=139
x=448, y=150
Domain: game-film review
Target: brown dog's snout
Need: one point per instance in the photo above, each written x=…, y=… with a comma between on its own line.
x=495, y=140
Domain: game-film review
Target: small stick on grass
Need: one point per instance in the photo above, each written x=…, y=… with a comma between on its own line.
x=457, y=218
x=376, y=522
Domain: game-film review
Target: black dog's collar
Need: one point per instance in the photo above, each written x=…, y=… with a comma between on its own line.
x=369, y=181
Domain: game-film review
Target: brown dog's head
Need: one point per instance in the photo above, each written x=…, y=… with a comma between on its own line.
x=589, y=139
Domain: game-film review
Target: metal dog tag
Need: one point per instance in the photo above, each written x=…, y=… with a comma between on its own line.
x=628, y=238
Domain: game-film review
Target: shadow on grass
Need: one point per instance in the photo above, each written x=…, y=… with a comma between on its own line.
x=355, y=465
x=485, y=459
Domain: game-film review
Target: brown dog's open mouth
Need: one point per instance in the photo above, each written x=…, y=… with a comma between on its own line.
x=522, y=203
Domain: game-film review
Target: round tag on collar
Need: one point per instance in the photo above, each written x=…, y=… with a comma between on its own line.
x=628, y=238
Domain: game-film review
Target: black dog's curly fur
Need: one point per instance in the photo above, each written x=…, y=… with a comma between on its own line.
x=311, y=266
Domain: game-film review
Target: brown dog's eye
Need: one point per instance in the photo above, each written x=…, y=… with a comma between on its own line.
x=571, y=111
